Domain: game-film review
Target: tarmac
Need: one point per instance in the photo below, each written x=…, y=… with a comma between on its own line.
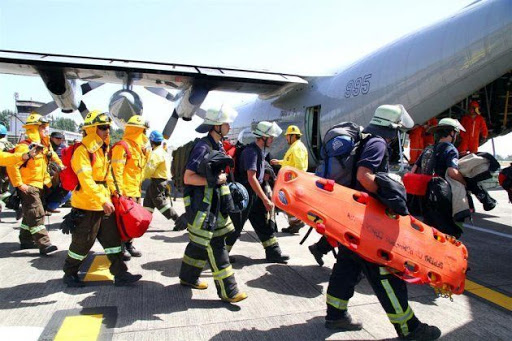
x=286, y=302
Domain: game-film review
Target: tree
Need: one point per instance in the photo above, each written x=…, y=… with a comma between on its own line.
x=5, y=117
x=116, y=135
x=64, y=124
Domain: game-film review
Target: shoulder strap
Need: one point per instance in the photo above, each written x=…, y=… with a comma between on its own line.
x=125, y=146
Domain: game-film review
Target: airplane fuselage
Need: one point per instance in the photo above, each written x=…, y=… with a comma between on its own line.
x=428, y=72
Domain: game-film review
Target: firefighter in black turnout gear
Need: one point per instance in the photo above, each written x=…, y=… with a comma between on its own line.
x=206, y=198
x=251, y=172
x=346, y=274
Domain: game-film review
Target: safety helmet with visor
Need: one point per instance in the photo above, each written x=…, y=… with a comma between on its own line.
x=293, y=130
x=35, y=119
x=447, y=123
x=216, y=117
x=267, y=129
x=97, y=118
x=389, y=119
x=137, y=121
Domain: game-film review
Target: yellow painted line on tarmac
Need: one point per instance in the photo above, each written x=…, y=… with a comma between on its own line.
x=80, y=328
x=490, y=295
x=99, y=270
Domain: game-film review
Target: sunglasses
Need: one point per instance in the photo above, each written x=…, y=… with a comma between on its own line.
x=104, y=127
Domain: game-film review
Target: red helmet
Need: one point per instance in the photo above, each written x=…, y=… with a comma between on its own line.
x=474, y=104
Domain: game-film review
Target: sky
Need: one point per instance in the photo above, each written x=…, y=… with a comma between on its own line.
x=299, y=37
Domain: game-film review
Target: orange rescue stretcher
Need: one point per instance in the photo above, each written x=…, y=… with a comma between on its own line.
x=413, y=250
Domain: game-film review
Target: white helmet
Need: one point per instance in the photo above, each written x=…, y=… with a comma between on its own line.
x=392, y=116
x=215, y=117
x=448, y=122
x=267, y=129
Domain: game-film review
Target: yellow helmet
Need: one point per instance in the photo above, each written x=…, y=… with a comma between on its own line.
x=293, y=130
x=137, y=121
x=36, y=119
x=97, y=118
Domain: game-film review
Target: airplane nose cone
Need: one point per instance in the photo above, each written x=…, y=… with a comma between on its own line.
x=123, y=105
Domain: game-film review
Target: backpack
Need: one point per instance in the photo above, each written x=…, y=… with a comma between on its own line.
x=238, y=175
x=179, y=163
x=341, y=148
x=68, y=178
x=428, y=161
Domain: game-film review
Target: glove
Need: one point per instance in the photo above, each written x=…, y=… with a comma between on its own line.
x=181, y=223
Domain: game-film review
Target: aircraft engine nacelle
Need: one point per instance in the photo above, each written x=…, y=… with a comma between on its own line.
x=123, y=105
x=190, y=102
x=65, y=92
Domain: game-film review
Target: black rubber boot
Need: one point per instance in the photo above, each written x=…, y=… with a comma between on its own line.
x=126, y=278
x=274, y=255
x=126, y=255
x=46, y=250
x=28, y=245
x=132, y=250
x=317, y=254
x=73, y=281
x=423, y=332
x=346, y=322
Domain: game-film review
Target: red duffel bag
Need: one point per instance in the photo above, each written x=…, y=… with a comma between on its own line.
x=132, y=219
x=416, y=184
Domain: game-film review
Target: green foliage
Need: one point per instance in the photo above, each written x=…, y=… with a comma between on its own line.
x=116, y=135
x=5, y=117
x=64, y=124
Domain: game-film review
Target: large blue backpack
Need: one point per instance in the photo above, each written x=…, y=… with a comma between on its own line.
x=341, y=147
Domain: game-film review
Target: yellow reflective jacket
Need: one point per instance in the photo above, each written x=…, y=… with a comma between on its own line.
x=158, y=165
x=35, y=171
x=10, y=159
x=296, y=156
x=90, y=164
x=129, y=172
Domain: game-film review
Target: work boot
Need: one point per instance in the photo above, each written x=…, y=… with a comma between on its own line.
x=344, y=323
x=46, y=250
x=293, y=228
x=237, y=298
x=423, y=332
x=28, y=245
x=197, y=285
x=132, y=250
x=73, y=281
x=126, y=278
x=317, y=254
x=274, y=255
x=126, y=255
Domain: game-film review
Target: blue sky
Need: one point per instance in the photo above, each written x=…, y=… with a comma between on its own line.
x=304, y=37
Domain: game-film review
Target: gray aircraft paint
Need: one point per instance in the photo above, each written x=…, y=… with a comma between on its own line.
x=427, y=71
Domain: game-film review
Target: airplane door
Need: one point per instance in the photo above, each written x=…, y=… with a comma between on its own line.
x=312, y=127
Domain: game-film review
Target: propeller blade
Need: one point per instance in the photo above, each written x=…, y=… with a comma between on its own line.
x=171, y=124
x=162, y=93
x=83, y=109
x=201, y=113
x=47, y=108
x=86, y=87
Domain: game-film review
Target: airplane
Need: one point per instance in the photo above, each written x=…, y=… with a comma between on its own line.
x=433, y=72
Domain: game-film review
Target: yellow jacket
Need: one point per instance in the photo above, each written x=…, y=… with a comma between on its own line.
x=158, y=165
x=35, y=172
x=129, y=173
x=296, y=156
x=10, y=159
x=91, y=195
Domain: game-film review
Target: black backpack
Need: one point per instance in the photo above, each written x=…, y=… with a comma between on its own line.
x=428, y=161
x=179, y=162
x=238, y=174
x=341, y=148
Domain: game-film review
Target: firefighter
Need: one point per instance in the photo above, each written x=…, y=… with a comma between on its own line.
x=476, y=130
x=252, y=171
x=30, y=180
x=91, y=204
x=129, y=158
x=416, y=137
x=296, y=156
x=157, y=169
x=428, y=137
x=390, y=290
x=207, y=235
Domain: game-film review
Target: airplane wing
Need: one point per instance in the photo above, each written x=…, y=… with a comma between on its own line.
x=148, y=74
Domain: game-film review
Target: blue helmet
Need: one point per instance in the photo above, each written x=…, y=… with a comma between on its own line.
x=240, y=196
x=3, y=130
x=156, y=136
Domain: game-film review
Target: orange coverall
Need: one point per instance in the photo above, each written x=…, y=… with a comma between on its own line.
x=475, y=126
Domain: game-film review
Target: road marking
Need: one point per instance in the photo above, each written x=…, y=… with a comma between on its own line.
x=99, y=270
x=82, y=327
x=490, y=295
x=481, y=229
